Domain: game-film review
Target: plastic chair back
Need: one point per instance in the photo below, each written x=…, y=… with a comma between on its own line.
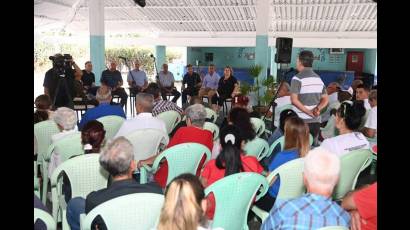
x=171, y=119
x=329, y=130
x=46, y=218
x=44, y=131
x=279, y=110
x=352, y=164
x=234, y=195
x=147, y=142
x=111, y=125
x=138, y=211
x=68, y=147
x=210, y=114
x=258, y=126
x=291, y=179
x=257, y=147
x=213, y=128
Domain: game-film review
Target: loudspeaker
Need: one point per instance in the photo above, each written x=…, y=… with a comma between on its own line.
x=283, y=50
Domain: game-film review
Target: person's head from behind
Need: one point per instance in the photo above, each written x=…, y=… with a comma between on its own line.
x=240, y=117
x=103, y=94
x=92, y=136
x=321, y=171
x=43, y=103
x=344, y=96
x=231, y=142
x=165, y=67
x=297, y=135
x=355, y=83
x=144, y=103
x=333, y=87
x=362, y=92
x=349, y=115
x=113, y=65
x=88, y=66
x=154, y=90
x=117, y=158
x=190, y=69
x=284, y=115
x=373, y=98
x=195, y=115
x=65, y=118
x=305, y=59
x=195, y=100
x=240, y=101
x=284, y=89
x=211, y=69
x=184, y=204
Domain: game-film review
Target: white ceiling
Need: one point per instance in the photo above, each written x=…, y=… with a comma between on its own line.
x=320, y=23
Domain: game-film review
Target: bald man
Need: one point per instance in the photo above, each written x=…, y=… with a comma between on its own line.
x=112, y=78
x=137, y=79
x=166, y=83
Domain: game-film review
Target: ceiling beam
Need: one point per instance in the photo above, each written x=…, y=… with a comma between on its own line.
x=73, y=11
x=347, y=14
x=198, y=9
x=54, y=3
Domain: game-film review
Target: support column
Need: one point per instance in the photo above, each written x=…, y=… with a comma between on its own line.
x=273, y=64
x=97, y=40
x=160, y=52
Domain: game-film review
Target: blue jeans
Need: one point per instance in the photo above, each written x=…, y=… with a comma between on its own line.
x=75, y=208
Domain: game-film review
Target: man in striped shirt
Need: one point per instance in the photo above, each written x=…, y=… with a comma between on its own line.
x=315, y=209
x=160, y=105
x=308, y=94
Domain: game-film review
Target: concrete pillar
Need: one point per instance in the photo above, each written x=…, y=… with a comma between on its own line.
x=160, y=52
x=97, y=40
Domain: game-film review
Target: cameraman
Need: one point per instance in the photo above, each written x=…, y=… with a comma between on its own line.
x=112, y=78
x=62, y=65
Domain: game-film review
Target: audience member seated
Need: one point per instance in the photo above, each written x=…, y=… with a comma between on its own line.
x=193, y=82
x=296, y=145
x=241, y=101
x=66, y=120
x=209, y=83
x=333, y=90
x=355, y=83
x=231, y=160
x=88, y=77
x=315, y=209
x=193, y=133
x=166, y=83
x=185, y=205
x=362, y=94
x=227, y=88
x=104, y=107
x=137, y=79
x=161, y=105
x=43, y=108
x=112, y=78
x=282, y=100
x=144, y=120
x=118, y=159
x=39, y=224
x=362, y=206
x=370, y=128
x=348, y=119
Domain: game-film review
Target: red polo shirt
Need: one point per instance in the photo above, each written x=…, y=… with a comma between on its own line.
x=366, y=203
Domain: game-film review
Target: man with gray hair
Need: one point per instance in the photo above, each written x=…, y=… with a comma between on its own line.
x=315, y=209
x=144, y=119
x=118, y=159
x=193, y=133
x=104, y=107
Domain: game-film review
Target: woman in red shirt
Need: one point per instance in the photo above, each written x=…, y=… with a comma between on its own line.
x=196, y=115
x=231, y=160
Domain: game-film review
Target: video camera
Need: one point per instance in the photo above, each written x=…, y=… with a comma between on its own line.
x=61, y=63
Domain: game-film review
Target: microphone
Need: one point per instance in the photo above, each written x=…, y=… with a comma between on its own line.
x=152, y=56
x=120, y=57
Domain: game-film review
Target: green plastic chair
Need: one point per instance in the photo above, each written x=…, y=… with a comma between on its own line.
x=85, y=175
x=147, y=142
x=46, y=218
x=210, y=114
x=182, y=158
x=291, y=183
x=128, y=212
x=171, y=119
x=66, y=147
x=213, y=128
x=334, y=228
x=279, y=110
x=281, y=141
x=352, y=164
x=36, y=186
x=258, y=126
x=329, y=130
x=43, y=131
x=111, y=125
x=234, y=195
x=257, y=147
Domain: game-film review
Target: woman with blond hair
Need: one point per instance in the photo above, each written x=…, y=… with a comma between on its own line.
x=185, y=205
x=296, y=145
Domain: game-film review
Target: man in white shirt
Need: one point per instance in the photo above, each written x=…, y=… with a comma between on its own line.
x=166, y=83
x=137, y=79
x=362, y=93
x=370, y=128
x=144, y=119
x=332, y=91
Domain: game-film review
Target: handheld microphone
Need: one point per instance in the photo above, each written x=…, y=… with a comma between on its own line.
x=152, y=56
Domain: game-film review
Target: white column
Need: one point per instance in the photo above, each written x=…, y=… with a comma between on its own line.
x=97, y=40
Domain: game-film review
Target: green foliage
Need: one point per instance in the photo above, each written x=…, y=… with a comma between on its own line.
x=245, y=88
x=255, y=70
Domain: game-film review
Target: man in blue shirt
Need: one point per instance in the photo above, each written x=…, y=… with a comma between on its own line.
x=137, y=79
x=315, y=209
x=210, y=83
x=113, y=79
x=103, y=109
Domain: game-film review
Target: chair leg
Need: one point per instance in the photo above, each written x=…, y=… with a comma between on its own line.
x=45, y=184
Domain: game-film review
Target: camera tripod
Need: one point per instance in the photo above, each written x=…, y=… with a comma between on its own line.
x=62, y=81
